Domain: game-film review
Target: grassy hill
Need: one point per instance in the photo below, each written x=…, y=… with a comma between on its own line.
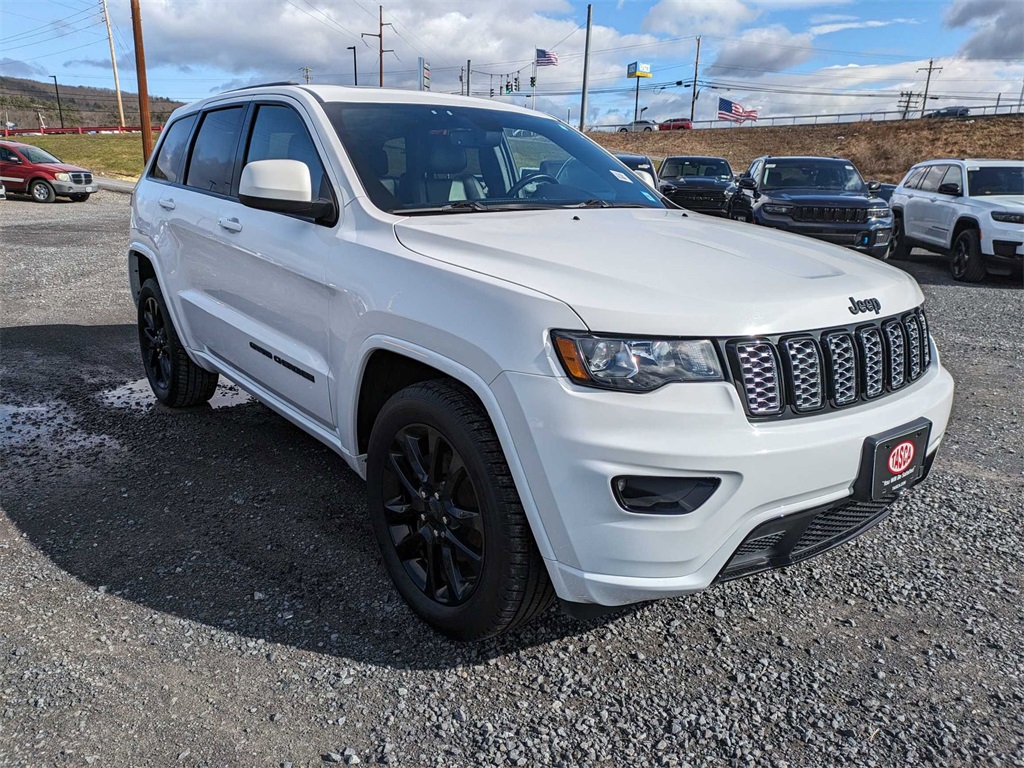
x=881, y=150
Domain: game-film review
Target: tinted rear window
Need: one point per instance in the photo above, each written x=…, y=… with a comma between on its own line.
x=213, y=155
x=172, y=150
x=930, y=183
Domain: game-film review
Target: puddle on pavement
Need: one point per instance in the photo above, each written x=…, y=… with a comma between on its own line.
x=48, y=425
x=138, y=395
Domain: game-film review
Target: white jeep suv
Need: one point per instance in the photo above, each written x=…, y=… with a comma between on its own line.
x=555, y=382
x=971, y=209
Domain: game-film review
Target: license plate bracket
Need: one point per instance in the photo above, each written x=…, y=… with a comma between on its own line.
x=892, y=461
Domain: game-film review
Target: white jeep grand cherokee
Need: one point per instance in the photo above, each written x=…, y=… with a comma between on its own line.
x=555, y=382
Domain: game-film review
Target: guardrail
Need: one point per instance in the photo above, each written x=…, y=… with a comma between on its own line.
x=987, y=110
x=80, y=129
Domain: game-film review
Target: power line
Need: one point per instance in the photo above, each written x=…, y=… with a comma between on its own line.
x=46, y=29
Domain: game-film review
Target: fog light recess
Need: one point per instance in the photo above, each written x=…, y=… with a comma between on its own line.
x=663, y=495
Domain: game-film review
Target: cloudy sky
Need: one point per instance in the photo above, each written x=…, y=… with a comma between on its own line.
x=781, y=57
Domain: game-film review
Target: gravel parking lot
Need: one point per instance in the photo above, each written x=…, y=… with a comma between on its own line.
x=202, y=587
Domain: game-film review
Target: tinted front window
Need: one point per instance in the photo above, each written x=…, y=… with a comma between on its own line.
x=812, y=174
x=278, y=133
x=37, y=155
x=168, y=161
x=932, y=178
x=213, y=155
x=996, y=180
x=706, y=167
x=454, y=153
x=953, y=176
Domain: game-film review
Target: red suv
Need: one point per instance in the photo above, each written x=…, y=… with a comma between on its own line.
x=675, y=124
x=27, y=168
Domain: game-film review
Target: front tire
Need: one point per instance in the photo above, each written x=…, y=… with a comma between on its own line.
x=898, y=246
x=966, y=264
x=79, y=198
x=176, y=381
x=42, y=191
x=452, y=531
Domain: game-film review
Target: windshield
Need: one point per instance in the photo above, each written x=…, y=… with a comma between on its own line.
x=996, y=180
x=421, y=158
x=705, y=167
x=37, y=155
x=811, y=174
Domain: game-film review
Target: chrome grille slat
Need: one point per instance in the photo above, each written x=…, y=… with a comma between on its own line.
x=805, y=373
x=926, y=337
x=843, y=361
x=896, y=363
x=913, y=328
x=759, y=370
x=870, y=342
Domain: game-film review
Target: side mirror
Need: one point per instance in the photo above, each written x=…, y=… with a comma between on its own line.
x=282, y=186
x=874, y=186
x=647, y=178
x=746, y=182
x=950, y=188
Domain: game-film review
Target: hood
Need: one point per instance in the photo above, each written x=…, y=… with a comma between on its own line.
x=661, y=272
x=819, y=197
x=62, y=168
x=699, y=182
x=1010, y=203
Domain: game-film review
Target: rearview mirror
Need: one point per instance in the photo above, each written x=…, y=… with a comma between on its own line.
x=282, y=186
x=950, y=188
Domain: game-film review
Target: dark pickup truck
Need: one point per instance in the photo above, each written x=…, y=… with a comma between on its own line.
x=702, y=184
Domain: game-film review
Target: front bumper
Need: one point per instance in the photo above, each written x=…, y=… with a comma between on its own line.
x=1003, y=247
x=67, y=188
x=870, y=237
x=572, y=441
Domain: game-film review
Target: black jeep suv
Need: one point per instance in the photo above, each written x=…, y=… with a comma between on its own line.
x=822, y=197
x=703, y=184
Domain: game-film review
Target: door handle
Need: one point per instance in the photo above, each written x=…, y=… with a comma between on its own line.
x=166, y=203
x=231, y=225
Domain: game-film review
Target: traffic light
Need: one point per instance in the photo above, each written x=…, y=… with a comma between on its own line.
x=533, y=81
x=516, y=83
x=492, y=93
x=508, y=86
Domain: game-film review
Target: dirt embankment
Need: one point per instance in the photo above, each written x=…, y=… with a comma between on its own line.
x=881, y=150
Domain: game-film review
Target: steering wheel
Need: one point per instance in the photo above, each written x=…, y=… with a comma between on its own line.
x=520, y=185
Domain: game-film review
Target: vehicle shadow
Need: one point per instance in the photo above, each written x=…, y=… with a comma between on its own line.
x=933, y=269
x=230, y=517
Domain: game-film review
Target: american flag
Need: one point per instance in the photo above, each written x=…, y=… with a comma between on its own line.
x=730, y=110
x=546, y=58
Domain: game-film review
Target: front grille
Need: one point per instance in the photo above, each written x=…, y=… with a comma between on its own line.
x=833, y=368
x=81, y=178
x=793, y=538
x=829, y=213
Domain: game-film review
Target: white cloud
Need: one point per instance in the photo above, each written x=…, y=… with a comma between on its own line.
x=762, y=49
x=697, y=17
x=839, y=26
x=997, y=27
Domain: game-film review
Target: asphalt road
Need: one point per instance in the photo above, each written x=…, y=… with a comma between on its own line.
x=202, y=588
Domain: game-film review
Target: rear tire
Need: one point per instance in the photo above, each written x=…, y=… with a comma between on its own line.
x=42, y=191
x=623, y=130
x=176, y=381
x=966, y=264
x=452, y=531
x=898, y=246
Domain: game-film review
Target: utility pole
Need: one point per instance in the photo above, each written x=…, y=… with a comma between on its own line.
x=59, y=109
x=928, y=81
x=140, y=74
x=355, y=66
x=113, y=62
x=469, y=76
x=380, y=41
x=462, y=80
x=907, y=102
x=307, y=72
x=586, y=66
x=693, y=96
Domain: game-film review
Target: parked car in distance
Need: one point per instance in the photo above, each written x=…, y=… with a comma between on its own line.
x=641, y=165
x=675, y=124
x=555, y=383
x=972, y=210
x=950, y=112
x=639, y=126
x=821, y=197
x=702, y=184
x=28, y=169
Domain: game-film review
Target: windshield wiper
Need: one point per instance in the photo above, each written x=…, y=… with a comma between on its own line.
x=461, y=206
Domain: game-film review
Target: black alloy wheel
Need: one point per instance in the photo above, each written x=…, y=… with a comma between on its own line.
x=966, y=264
x=153, y=337
x=433, y=514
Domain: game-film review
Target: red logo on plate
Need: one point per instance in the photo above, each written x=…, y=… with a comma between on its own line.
x=901, y=457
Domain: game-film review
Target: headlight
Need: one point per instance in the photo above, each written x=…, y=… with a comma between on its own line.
x=777, y=209
x=1009, y=218
x=62, y=176
x=878, y=213
x=636, y=365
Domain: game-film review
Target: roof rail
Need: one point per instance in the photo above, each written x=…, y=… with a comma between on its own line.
x=261, y=85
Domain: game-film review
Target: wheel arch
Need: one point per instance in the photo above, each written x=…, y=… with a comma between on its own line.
x=411, y=361
x=962, y=223
x=140, y=269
